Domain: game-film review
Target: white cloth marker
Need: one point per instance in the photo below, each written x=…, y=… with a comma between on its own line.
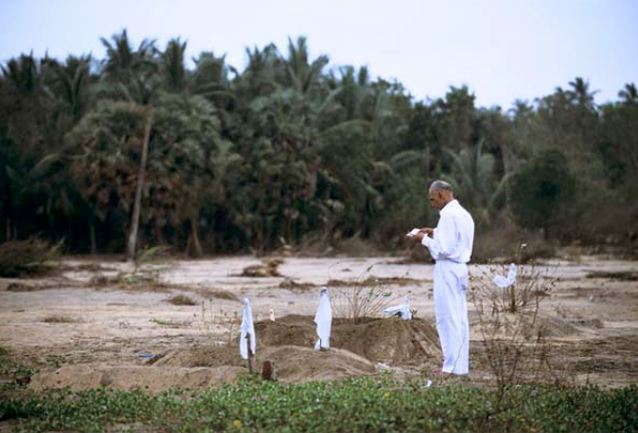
x=505, y=282
x=247, y=328
x=403, y=310
x=323, y=319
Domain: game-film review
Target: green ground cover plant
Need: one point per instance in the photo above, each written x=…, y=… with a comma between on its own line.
x=356, y=405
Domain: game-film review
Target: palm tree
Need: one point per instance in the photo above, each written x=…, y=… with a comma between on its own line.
x=210, y=78
x=261, y=76
x=454, y=118
x=629, y=94
x=104, y=147
x=302, y=75
x=23, y=74
x=122, y=59
x=183, y=165
x=173, y=67
x=71, y=84
x=581, y=95
x=473, y=177
x=129, y=74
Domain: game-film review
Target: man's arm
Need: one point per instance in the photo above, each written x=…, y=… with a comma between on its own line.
x=442, y=240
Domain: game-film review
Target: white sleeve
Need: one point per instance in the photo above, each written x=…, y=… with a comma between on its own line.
x=443, y=240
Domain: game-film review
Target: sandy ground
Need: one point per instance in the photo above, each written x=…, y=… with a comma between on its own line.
x=77, y=325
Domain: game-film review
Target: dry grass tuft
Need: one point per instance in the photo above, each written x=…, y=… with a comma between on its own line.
x=58, y=318
x=171, y=323
x=181, y=300
x=619, y=275
x=296, y=287
x=218, y=294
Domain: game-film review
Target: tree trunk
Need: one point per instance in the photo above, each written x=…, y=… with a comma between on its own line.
x=159, y=234
x=193, y=246
x=132, y=238
x=7, y=229
x=92, y=236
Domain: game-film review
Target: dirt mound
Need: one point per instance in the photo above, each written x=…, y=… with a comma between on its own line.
x=288, y=343
x=391, y=340
x=200, y=356
x=87, y=376
x=294, y=364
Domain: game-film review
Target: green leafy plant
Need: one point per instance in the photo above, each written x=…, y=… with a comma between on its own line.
x=356, y=405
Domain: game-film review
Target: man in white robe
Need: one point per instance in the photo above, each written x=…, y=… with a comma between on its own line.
x=450, y=245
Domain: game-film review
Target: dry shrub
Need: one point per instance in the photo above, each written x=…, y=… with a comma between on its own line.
x=33, y=256
x=503, y=240
x=220, y=324
x=515, y=346
x=376, y=281
x=358, y=299
x=532, y=284
x=357, y=302
x=181, y=300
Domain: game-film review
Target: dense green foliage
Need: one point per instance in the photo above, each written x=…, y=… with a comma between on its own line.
x=543, y=192
x=293, y=150
x=358, y=405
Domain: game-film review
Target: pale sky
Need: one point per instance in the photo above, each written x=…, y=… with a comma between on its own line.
x=501, y=49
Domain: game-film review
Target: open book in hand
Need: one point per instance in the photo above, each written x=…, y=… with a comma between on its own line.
x=412, y=233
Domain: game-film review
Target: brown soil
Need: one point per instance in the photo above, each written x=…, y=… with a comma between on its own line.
x=87, y=376
x=294, y=364
x=104, y=335
x=391, y=341
x=289, y=341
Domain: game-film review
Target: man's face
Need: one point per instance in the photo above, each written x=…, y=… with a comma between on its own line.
x=437, y=199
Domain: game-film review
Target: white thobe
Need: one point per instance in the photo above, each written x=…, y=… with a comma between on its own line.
x=451, y=247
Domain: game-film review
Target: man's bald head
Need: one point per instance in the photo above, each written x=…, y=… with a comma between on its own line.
x=440, y=185
x=440, y=194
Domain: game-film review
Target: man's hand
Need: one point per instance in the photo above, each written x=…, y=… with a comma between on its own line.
x=419, y=234
x=423, y=232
